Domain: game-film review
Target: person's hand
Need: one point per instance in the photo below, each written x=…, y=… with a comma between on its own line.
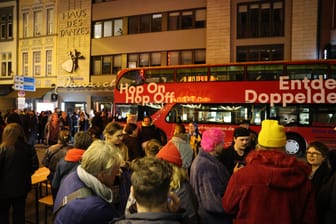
x=237, y=167
x=173, y=203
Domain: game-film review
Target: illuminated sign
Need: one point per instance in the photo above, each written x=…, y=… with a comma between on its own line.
x=312, y=91
x=285, y=91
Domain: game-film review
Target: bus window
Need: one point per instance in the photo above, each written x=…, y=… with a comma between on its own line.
x=192, y=74
x=324, y=116
x=332, y=74
x=311, y=71
x=132, y=78
x=287, y=115
x=264, y=72
x=304, y=115
x=227, y=73
x=159, y=75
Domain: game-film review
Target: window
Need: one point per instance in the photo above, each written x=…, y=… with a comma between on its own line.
x=25, y=64
x=49, y=62
x=145, y=23
x=260, y=19
x=25, y=24
x=156, y=59
x=199, y=57
x=118, y=27
x=107, y=28
x=156, y=23
x=37, y=23
x=144, y=60
x=97, y=29
x=37, y=63
x=260, y=53
x=200, y=17
x=173, y=58
x=96, y=66
x=6, y=23
x=50, y=21
x=6, y=65
x=186, y=19
x=186, y=57
x=106, y=65
x=173, y=22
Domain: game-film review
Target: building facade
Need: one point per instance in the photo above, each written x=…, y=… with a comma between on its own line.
x=75, y=48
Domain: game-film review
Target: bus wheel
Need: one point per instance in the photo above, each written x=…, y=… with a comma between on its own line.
x=295, y=145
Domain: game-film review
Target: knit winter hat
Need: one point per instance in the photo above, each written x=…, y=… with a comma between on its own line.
x=272, y=134
x=241, y=132
x=176, y=153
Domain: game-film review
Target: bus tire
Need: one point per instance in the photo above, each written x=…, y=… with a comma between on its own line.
x=295, y=145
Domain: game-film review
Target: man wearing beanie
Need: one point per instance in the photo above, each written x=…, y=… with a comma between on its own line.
x=234, y=155
x=273, y=187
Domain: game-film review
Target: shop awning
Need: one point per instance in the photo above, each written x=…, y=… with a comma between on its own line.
x=39, y=93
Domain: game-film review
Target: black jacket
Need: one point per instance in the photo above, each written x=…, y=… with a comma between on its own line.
x=17, y=164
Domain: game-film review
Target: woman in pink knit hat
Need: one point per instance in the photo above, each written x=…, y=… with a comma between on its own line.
x=209, y=177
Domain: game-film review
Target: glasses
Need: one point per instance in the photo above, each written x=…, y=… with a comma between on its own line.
x=313, y=153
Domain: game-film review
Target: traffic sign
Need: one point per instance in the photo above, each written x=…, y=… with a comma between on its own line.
x=24, y=83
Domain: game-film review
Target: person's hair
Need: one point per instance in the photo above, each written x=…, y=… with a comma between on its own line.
x=179, y=129
x=94, y=132
x=12, y=133
x=100, y=157
x=64, y=136
x=130, y=127
x=196, y=132
x=82, y=140
x=149, y=117
x=150, y=179
x=211, y=138
x=153, y=146
x=179, y=175
x=112, y=128
x=321, y=147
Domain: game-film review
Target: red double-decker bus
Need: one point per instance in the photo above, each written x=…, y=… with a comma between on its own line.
x=300, y=94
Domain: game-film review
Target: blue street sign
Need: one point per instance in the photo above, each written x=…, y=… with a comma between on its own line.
x=28, y=88
x=24, y=83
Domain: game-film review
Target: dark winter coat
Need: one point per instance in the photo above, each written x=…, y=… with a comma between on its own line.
x=17, y=164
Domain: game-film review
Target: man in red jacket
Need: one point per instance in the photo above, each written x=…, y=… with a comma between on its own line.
x=273, y=187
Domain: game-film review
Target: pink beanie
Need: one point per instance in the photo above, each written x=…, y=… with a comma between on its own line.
x=211, y=138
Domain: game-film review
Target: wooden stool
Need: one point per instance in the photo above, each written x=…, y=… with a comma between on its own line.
x=49, y=203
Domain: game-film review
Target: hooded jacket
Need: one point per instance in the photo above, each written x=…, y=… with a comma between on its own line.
x=272, y=188
x=65, y=166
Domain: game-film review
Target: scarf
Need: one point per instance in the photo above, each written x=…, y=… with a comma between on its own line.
x=95, y=185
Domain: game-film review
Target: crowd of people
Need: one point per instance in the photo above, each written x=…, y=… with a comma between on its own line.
x=132, y=173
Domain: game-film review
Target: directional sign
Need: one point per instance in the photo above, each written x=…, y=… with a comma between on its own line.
x=24, y=83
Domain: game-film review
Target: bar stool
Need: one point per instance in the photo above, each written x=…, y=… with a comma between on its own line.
x=48, y=202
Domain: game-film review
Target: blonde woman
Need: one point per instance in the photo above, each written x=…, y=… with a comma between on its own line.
x=113, y=134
